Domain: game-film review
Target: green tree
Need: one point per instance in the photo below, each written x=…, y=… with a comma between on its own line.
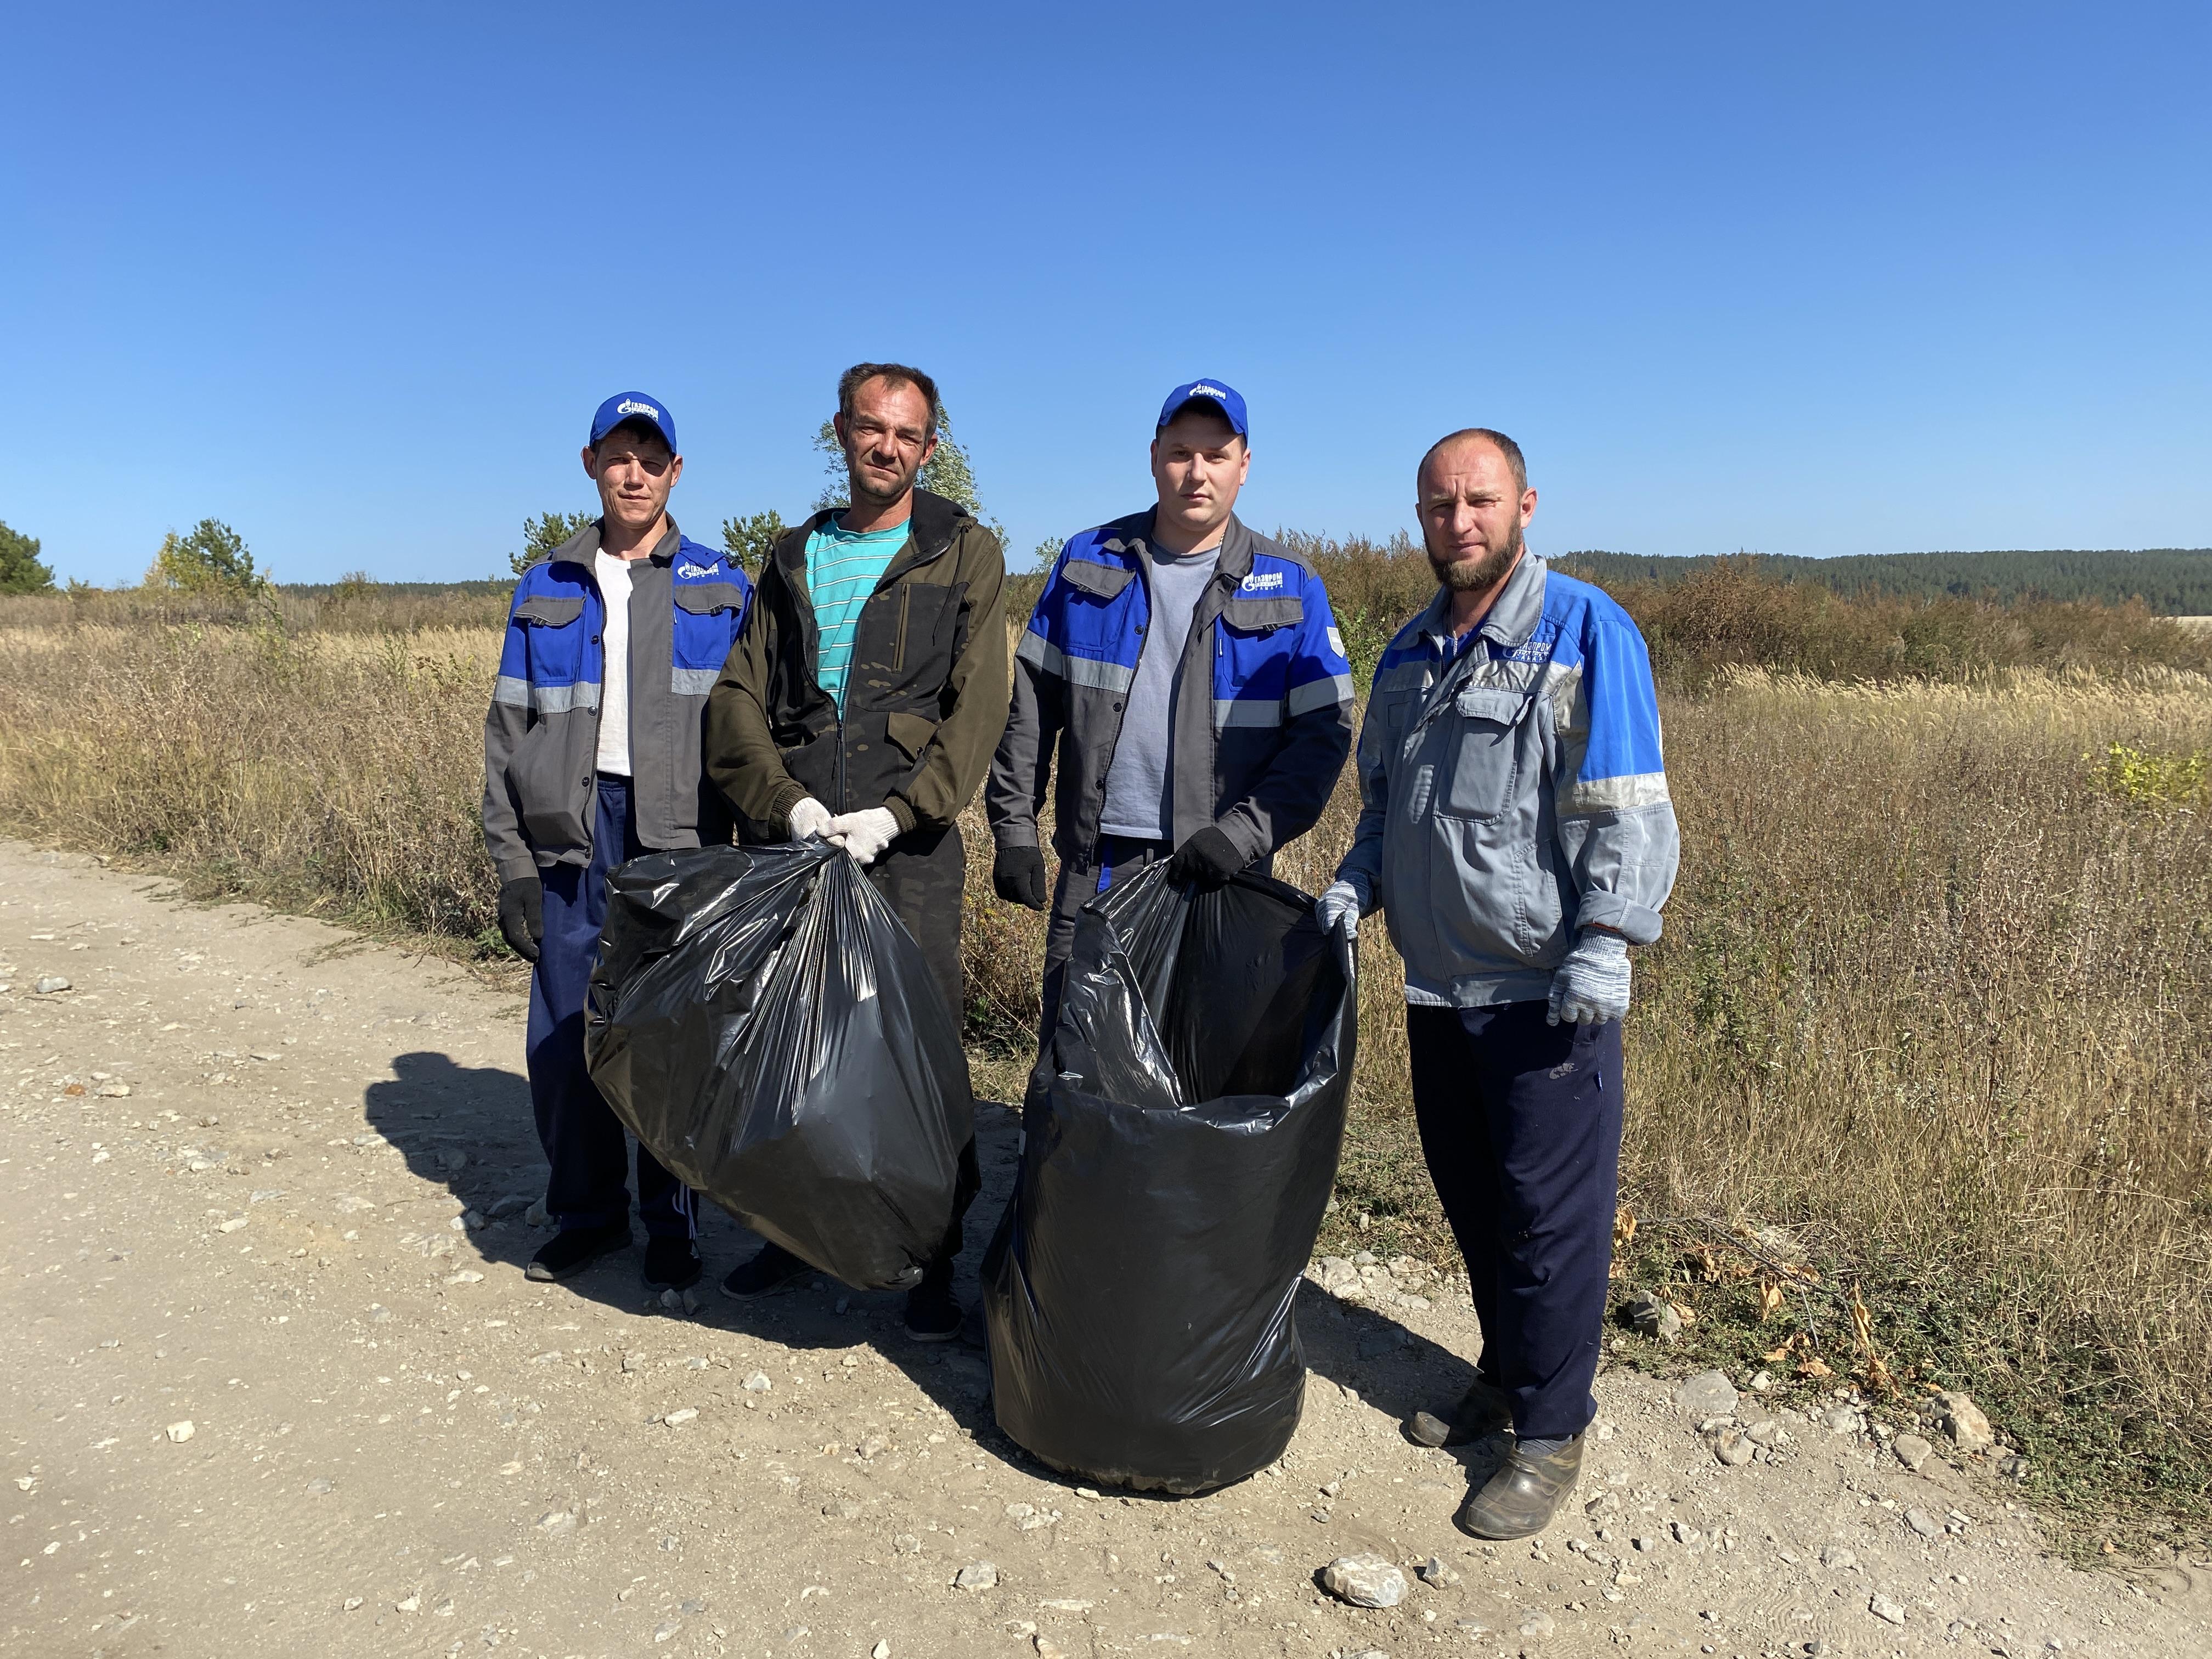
x=211, y=560
x=750, y=541
x=20, y=572
x=1048, y=552
x=542, y=537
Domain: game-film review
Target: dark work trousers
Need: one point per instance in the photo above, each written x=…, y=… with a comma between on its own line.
x=584, y=1141
x=1115, y=857
x=1520, y=1123
x=922, y=876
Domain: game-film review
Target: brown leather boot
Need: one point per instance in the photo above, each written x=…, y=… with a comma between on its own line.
x=1520, y=1500
x=1483, y=1410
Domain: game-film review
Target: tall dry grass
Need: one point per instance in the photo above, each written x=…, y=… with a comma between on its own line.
x=341, y=773
x=1935, y=991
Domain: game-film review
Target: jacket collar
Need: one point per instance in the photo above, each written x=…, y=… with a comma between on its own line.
x=1514, y=613
x=1236, y=543
x=930, y=530
x=584, y=547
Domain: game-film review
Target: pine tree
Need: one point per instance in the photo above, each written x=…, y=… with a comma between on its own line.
x=20, y=571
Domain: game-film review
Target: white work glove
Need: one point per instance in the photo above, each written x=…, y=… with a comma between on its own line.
x=1341, y=904
x=810, y=820
x=864, y=835
x=1592, y=984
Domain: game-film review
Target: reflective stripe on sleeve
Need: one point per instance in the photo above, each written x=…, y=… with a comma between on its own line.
x=513, y=690
x=1246, y=711
x=1319, y=694
x=1615, y=794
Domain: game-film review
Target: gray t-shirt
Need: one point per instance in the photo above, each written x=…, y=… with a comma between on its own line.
x=1137, y=777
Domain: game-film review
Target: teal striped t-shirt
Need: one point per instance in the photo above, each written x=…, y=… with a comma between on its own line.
x=842, y=570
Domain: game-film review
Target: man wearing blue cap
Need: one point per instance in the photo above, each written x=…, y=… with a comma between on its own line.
x=1189, y=676
x=592, y=758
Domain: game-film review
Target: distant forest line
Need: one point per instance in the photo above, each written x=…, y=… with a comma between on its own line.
x=2171, y=581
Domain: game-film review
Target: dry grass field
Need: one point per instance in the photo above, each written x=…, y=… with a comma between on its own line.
x=1934, y=999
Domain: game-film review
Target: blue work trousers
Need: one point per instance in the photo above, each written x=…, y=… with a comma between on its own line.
x=584, y=1140
x=1520, y=1125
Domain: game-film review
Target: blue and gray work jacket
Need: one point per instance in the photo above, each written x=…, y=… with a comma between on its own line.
x=687, y=606
x=1263, y=695
x=1512, y=790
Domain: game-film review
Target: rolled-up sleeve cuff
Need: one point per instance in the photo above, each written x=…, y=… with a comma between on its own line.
x=1638, y=923
x=514, y=869
x=781, y=801
x=1015, y=835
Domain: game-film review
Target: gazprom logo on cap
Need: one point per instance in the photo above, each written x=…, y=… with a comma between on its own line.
x=631, y=406
x=1202, y=390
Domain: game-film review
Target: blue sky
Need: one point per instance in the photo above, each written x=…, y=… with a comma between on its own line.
x=1805, y=278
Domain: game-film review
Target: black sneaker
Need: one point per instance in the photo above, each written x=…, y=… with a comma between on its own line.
x=671, y=1264
x=932, y=1313
x=768, y=1272
x=572, y=1250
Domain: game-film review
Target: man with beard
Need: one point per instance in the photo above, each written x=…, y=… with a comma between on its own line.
x=861, y=706
x=1516, y=832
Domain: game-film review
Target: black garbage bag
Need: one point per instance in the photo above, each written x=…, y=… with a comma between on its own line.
x=1182, y=1129
x=761, y=1019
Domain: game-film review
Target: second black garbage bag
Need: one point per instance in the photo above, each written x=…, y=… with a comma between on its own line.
x=763, y=1022
x=1182, y=1130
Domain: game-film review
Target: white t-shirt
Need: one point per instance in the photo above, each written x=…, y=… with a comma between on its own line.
x=614, y=688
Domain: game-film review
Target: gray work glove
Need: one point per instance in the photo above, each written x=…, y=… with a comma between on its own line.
x=865, y=834
x=1340, y=905
x=522, y=915
x=810, y=820
x=1592, y=984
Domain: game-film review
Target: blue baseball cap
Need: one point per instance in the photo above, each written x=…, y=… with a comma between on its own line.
x=635, y=406
x=1216, y=395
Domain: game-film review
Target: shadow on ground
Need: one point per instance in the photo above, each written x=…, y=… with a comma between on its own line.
x=470, y=1130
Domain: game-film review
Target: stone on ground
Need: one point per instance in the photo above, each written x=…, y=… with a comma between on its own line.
x=1365, y=1580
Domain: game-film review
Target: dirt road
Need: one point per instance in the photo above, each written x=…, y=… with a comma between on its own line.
x=270, y=1388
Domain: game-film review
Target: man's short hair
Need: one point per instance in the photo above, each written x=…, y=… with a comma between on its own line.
x=636, y=426
x=898, y=375
x=1504, y=445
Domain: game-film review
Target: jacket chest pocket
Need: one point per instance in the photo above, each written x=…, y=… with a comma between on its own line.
x=707, y=617
x=553, y=640
x=1481, y=734
x=909, y=626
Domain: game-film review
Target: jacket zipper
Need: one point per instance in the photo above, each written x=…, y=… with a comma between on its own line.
x=844, y=801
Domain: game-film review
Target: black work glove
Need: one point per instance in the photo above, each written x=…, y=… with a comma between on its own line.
x=1017, y=874
x=1208, y=859
x=522, y=915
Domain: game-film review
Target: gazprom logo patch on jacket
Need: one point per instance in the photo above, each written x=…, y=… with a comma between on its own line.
x=1260, y=581
x=691, y=571
x=1534, y=651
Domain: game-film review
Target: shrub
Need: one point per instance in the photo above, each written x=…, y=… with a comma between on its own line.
x=542, y=537
x=20, y=570
x=211, y=561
